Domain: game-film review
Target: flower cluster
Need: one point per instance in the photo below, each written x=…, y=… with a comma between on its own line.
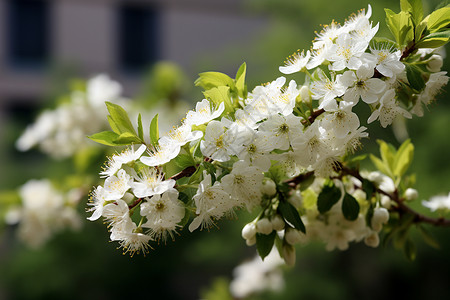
x=284, y=148
x=62, y=132
x=44, y=211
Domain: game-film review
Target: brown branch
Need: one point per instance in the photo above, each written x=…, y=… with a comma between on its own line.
x=401, y=208
x=135, y=203
x=293, y=182
x=185, y=173
x=408, y=50
x=313, y=116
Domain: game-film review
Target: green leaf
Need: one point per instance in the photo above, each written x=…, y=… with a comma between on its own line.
x=291, y=215
x=403, y=158
x=305, y=184
x=240, y=81
x=410, y=249
x=368, y=187
x=264, y=243
x=415, y=79
x=120, y=118
x=439, y=19
x=209, y=80
x=219, y=95
x=434, y=40
x=183, y=161
x=382, y=43
x=350, y=207
x=369, y=215
x=428, y=238
x=442, y=4
x=127, y=138
x=414, y=7
x=113, y=124
x=420, y=28
x=380, y=165
x=105, y=137
x=329, y=196
x=401, y=26
x=140, y=129
x=154, y=130
x=387, y=153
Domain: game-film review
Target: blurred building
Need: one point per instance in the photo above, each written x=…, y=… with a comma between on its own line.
x=119, y=37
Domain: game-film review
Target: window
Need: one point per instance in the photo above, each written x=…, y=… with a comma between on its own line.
x=28, y=33
x=138, y=37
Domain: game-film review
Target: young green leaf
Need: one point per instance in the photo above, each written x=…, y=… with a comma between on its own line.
x=105, y=137
x=209, y=80
x=154, y=130
x=219, y=95
x=329, y=196
x=401, y=26
x=264, y=243
x=439, y=19
x=350, y=207
x=120, y=118
x=140, y=129
x=240, y=81
x=380, y=165
x=434, y=40
x=403, y=158
x=127, y=138
x=414, y=7
x=291, y=215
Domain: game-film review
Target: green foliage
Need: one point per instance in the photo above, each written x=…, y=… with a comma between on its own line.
x=415, y=78
x=154, y=130
x=140, y=128
x=414, y=7
x=220, y=88
x=394, y=163
x=106, y=138
x=291, y=215
x=123, y=131
x=350, y=207
x=120, y=119
x=401, y=27
x=219, y=95
x=264, y=243
x=328, y=197
x=439, y=19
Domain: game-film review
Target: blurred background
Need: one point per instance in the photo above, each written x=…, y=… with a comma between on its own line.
x=45, y=43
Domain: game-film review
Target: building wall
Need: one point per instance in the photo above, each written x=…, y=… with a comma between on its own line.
x=83, y=33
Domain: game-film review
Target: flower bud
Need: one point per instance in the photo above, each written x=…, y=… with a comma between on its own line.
x=435, y=63
x=277, y=223
x=264, y=226
x=289, y=254
x=268, y=187
x=296, y=199
x=411, y=194
x=305, y=95
x=380, y=217
x=372, y=240
x=359, y=195
x=251, y=242
x=292, y=236
x=385, y=201
x=249, y=231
